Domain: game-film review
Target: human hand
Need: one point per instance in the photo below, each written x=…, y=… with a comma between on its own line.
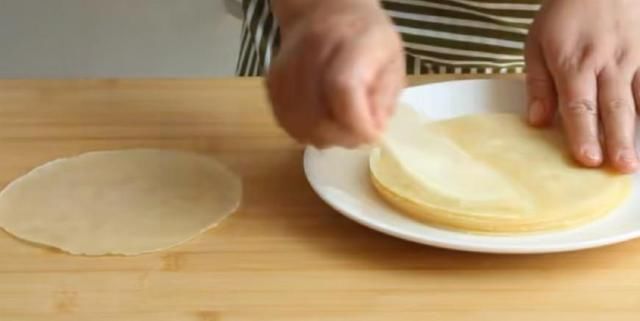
x=583, y=60
x=337, y=74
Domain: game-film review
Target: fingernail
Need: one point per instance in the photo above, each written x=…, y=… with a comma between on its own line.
x=592, y=154
x=536, y=112
x=627, y=158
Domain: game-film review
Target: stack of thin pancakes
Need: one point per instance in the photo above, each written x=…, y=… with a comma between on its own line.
x=491, y=173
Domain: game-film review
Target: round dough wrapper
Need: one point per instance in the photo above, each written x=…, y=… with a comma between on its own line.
x=493, y=173
x=124, y=202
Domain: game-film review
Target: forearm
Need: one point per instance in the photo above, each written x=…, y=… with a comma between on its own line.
x=288, y=11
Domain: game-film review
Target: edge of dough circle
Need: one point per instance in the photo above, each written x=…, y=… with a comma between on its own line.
x=492, y=173
x=122, y=202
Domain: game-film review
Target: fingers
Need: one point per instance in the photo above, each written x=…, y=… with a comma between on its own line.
x=347, y=82
x=617, y=111
x=316, y=131
x=385, y=90
x=542, y=98
x=286, y=93
x=328, y=87
x=348, y=104
x=635, y=88
x=327, y=133
x=294, y=92
x=358, y=102
x=577, y=93
x=300, y=114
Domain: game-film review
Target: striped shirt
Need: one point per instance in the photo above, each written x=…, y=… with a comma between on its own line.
x=440, y=36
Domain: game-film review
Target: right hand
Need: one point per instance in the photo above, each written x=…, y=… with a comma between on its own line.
x=337, y=74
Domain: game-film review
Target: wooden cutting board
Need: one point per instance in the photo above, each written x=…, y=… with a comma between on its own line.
x=285, y=255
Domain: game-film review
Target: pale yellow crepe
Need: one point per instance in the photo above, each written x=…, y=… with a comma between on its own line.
x=491, y=173
x=119, y=202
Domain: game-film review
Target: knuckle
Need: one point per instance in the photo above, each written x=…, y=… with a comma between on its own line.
x=539, y=33
x=319, y=140
x=396, y=41
x=621, y=56
x=351, y=144
x=635, y=82
x=318, y=26
x=573, y=58
x=359, y=135
x=343, y=82
x=588, y=55
x=321, y=26
x=608, y=74
x=537, y=80
x=539, y=84
x=561, y=57
x=359, y=132
x=321, y=145
x=580, y=107
x=620, y=145
x=368, y=137
x=325, y=134
x=571, y=64
x=616, y=106
x=316, y=33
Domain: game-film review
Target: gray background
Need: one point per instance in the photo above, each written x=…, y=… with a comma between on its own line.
x=118, y=38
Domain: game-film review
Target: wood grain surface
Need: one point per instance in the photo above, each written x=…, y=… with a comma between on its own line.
x=285, y=255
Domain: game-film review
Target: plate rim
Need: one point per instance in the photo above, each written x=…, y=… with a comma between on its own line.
x=462, y=246
x=457, y=245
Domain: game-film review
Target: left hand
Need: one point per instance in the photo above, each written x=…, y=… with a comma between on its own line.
x=583, y=60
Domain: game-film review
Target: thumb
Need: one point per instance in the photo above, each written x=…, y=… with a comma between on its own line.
x=346, y=84
x=385, y=90
x=541, y=92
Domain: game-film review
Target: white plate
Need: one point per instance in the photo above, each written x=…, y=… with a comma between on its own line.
x=340, y=177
